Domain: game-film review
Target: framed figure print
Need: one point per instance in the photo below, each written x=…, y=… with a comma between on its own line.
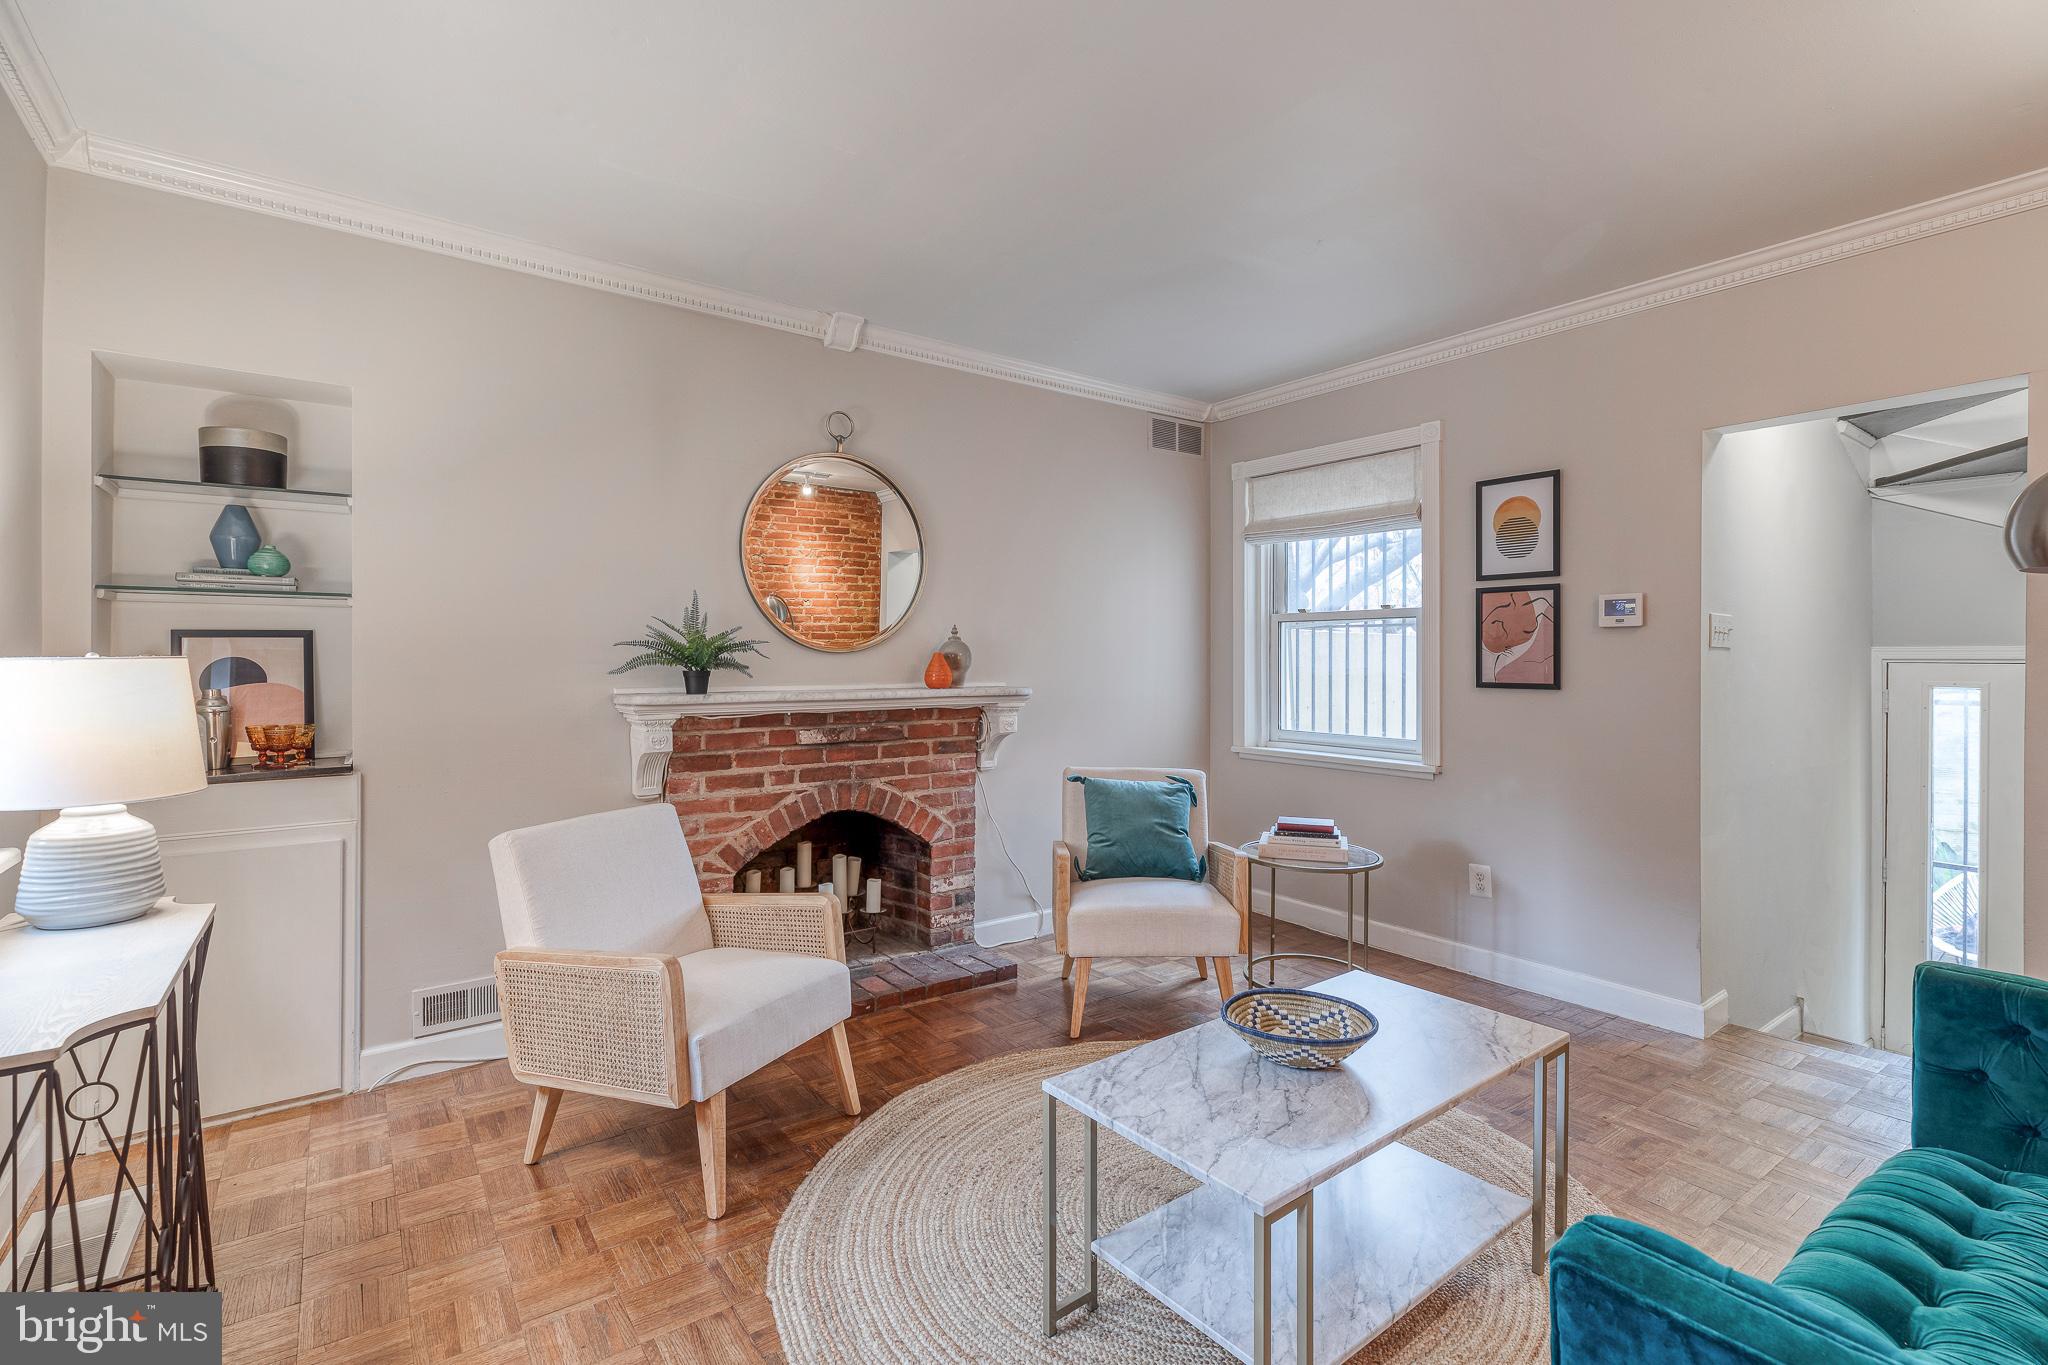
x=267, y=674
x=1518, y=639
x=1516, y=526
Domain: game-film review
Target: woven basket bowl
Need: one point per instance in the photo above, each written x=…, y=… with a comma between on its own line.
x=1301, y=1029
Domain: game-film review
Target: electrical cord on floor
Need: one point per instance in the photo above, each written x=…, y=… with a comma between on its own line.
x=997, y=826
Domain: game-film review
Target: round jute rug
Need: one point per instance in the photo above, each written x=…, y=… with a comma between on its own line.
x=917, y=1238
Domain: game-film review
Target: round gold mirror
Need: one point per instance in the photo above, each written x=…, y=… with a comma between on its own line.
x=832, y=552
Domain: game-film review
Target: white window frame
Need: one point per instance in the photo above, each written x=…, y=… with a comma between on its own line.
x=1256, y=679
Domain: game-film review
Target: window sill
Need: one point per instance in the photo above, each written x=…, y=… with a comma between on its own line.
x=1337, y=758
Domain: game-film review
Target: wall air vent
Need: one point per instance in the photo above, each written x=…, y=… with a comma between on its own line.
x=441, y=1008
x=1182, y=437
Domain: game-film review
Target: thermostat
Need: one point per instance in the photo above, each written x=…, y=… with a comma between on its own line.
x=1621, y=609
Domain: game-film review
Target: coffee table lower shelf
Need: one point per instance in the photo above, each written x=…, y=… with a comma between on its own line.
x=1386, y=1233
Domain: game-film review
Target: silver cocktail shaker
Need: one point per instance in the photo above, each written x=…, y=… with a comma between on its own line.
x=213, y=730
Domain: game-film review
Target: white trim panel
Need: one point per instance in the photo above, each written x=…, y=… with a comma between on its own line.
x=436, y=1052
x=1695, y=1019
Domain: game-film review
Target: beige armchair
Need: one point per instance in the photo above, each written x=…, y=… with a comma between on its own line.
x=621, y=978
x=1209, y=920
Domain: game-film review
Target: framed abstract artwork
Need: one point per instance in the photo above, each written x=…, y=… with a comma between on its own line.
x=1518, y=644
x=267, y=674
x=1516, y=526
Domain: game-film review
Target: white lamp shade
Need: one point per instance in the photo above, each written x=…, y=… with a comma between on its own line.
x=93, y=732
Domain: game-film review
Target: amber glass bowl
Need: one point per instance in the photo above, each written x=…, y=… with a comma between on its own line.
x=280, y=746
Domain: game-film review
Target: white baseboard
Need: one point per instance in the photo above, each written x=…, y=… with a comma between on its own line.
x=1788, y=1025
x=991, y=933
x=1696, y=1019
x=437, y=1052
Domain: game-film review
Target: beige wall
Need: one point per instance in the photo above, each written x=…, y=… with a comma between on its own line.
x=1587, y=801
x=539, y=466
x=22, y=179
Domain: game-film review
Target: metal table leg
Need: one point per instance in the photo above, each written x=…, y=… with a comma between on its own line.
x=1365, y=912
x=1303, y=1210
x=1272, y=923
x=1305, y=1280
x=1055, y=1309
x=1564, y=1142
x=1262, y=1289
x=1539, y=1177
x=1350, y=929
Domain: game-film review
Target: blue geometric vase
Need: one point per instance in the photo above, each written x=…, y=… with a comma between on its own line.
x=234, y=537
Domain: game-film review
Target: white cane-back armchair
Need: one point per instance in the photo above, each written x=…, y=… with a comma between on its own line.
x=621, y=978
x=1207, y=920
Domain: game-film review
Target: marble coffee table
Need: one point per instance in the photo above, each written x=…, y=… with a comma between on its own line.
x=1377, y=1225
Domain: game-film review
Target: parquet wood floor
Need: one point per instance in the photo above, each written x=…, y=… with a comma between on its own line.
x=400, y=1225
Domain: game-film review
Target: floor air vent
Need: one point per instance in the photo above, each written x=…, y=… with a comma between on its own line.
x=1184, y=437
x=441, y=1008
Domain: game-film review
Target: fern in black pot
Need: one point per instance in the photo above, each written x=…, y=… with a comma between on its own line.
x=691, y=647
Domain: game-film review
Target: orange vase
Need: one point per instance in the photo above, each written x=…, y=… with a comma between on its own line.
x=938, y=673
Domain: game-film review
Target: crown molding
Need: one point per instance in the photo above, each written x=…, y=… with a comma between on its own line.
x=31, y=87
x=48, y=119
x=2019, y=194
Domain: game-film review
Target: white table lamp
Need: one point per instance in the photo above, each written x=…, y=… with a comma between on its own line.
x=82, y=736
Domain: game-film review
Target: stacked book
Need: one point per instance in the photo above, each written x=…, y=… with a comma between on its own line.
x=213, y=576
x=1304, y=839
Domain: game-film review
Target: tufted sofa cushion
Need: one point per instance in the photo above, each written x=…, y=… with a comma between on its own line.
x=1980, y=1065
x=1943, y=1254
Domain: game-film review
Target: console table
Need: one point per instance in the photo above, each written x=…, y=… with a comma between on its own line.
x=99, y=1032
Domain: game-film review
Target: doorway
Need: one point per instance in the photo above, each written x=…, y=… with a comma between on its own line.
x=1951, y=741
x=1853, y=557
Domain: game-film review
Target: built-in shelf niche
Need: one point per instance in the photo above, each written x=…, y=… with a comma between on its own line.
x=152, y=515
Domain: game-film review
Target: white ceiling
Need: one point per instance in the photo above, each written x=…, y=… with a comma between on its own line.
x=1200, y=198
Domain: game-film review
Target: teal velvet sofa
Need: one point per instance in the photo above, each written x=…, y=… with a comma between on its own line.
x=1940, y=1255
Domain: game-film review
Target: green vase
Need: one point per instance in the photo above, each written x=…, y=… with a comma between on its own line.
x=269, y=562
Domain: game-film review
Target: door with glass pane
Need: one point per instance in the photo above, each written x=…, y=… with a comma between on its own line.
x=1952, y=780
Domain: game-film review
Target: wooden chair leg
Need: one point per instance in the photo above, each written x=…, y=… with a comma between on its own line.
x=842, y=1062
x=711, y=1152
x=1066, y=968
x=1080, y=998
x=545, y=1100
x=1202, y=968
x=1223, y=989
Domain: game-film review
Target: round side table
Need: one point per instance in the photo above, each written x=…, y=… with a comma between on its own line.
x=1356, y=869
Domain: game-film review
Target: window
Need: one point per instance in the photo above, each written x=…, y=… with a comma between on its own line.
x=1338, y=606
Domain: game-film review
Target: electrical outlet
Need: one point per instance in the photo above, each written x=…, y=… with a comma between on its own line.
x=1720, y=630
x=1479, y=880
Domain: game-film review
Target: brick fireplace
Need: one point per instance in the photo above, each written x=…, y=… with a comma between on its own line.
x=892, y=785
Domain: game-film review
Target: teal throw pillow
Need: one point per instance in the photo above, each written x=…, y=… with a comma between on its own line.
x=1139, y=829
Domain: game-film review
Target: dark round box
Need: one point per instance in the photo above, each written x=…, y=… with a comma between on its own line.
x=241, y=455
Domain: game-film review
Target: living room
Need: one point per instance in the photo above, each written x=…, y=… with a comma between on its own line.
x=1216, y=421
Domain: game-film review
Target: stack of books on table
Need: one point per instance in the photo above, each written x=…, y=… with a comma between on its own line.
x=213, y=576
x=1304, y=840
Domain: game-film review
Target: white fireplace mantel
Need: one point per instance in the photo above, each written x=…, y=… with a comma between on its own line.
x=651, y=714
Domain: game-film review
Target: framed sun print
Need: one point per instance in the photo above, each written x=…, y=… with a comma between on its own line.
x=1515, y=524
x=1518, y=644
x=267, y=674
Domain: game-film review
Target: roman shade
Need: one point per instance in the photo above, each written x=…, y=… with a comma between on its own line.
x=1342, y=498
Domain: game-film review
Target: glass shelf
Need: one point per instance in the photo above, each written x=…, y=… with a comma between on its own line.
x=152, y=488
x=144, y=589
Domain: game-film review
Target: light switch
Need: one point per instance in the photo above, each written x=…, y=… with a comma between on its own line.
x=1720, y=630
